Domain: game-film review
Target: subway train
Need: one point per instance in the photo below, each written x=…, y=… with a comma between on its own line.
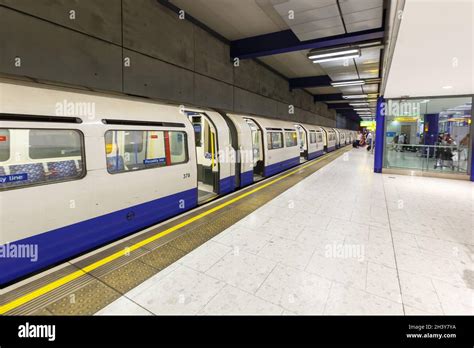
x=81, y=169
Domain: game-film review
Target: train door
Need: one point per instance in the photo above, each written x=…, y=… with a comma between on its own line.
x=206, y=156
x=303, y=142
x=257, y=149
x=325, y=140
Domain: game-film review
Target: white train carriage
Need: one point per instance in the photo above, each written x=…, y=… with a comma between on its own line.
x=310, y=141
x=329, y=139
x=69, y=184
x=280, y=145
x=87, y=169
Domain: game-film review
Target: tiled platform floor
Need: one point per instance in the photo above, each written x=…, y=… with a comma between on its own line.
x=342, y=241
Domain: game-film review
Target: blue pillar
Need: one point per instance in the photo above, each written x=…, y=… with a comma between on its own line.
x=379, y=135
x=431, y=131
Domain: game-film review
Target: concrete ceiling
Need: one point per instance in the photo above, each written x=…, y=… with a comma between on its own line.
x=434, y=49
x=235, y=19
x=238, y=19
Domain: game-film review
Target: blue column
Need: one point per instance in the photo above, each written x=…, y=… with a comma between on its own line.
x=379, y=135
x=431, y=131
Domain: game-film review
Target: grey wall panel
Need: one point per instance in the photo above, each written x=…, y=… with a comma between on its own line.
x=212, y=93
x=171, y=59
x=152, y=29
x=246, y=76
x=101, y=19
x=282, y=111
x=153, y=78
x=212, y=57
x=58, y=54
x=252, y=103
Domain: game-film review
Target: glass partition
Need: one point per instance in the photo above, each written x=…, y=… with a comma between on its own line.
x=428, y=135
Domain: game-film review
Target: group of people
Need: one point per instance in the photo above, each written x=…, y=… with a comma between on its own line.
x=399, y=140
x=364, y=138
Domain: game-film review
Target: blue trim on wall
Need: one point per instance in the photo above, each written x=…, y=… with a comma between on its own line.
x=246, y=178
x=66, y=242
x=280, y=166
x=226, y=185
x=379, y=136
x=315, y=154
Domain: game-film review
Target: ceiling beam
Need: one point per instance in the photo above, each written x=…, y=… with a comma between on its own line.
x=327, y=97
x=340, y=106
x=310, y=81
x=286, y=41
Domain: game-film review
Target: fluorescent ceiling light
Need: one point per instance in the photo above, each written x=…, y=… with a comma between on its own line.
x=359, y=104
x=335, y=58
x=355, y=96
x=348, y=83
x=447, y=87
x=362, y=109
x=334, y=53
x=320, y=56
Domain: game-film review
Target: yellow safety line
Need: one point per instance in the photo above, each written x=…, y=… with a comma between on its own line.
x=66, y=279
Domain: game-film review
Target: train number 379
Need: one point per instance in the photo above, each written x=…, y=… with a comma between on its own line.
x=186, y=175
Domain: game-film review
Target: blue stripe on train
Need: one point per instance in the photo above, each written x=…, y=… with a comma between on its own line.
x=280, y=166
x=315, y=154
x=331, y=148
x=226, y=185
x=246, y=178
x=66, y=242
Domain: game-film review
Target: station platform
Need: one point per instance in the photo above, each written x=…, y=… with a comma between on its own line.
x=328, y=237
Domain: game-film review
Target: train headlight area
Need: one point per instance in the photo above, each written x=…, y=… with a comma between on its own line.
x=175, y=159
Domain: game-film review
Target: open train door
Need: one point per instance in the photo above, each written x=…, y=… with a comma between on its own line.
x=214, y=154
x=302, y=142
x=257, y=149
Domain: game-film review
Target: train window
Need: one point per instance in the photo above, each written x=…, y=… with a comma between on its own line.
x=291, y=139
x=42, y=156
x=319, y=137
x=275, y=140
x=312, y=137
x=136, y=150
x=54, y=143
x=4, y=145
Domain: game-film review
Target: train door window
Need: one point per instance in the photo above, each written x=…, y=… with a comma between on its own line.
x=291, y=139
x=275, y=140
x=4, y=145
x=41, y=156
x=136, y=150
x=178, y=147
x=319, y=137
x=312, y=137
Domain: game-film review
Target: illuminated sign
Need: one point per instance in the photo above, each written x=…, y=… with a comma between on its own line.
x=406, y=119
